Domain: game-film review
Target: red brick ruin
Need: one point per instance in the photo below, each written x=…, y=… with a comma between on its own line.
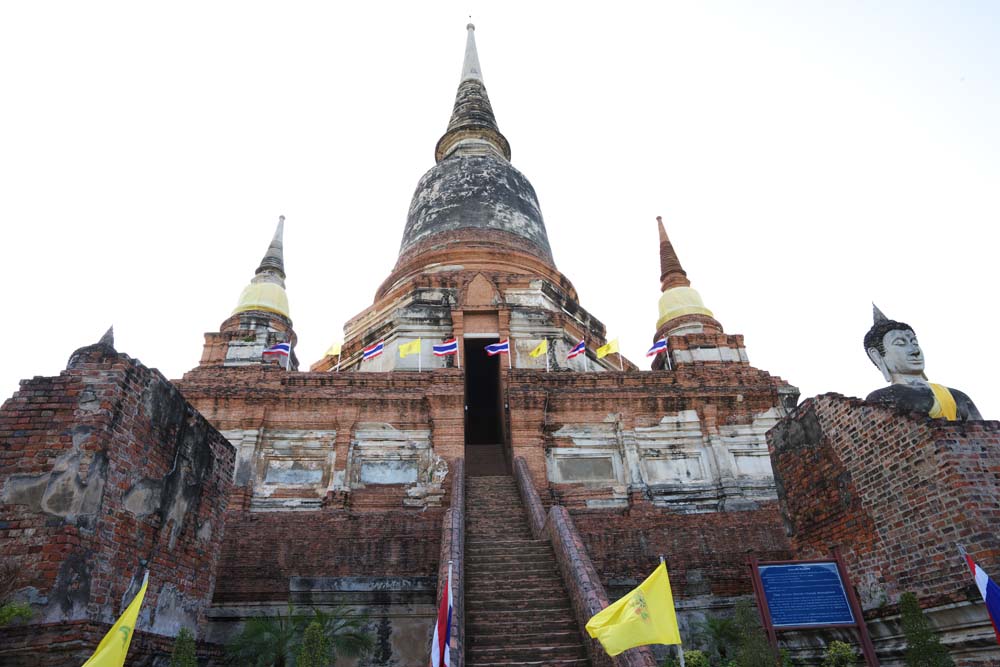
x=553, y=486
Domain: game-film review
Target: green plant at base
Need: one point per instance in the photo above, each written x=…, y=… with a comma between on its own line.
x=695, y=658
x=839, y=654
x=266, y=641
x=753, y=649
x=345, y=630
x=14, y=610
x=923, y=648
x=721, y=637
x=10, y=610
x=315, y=650
x=183, y=654
x=275, y=641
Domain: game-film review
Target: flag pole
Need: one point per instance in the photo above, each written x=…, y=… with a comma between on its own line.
x=509, y=362
x=458, y=351
x=338, y=362
x=288, y=361
x=680, y=647
x=546, y=355
x=420, y=349
x=621, y=364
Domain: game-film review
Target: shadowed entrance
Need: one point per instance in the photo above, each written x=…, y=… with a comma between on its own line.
x=483, y=410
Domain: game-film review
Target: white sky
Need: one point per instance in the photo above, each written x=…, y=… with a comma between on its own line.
x=807, y=160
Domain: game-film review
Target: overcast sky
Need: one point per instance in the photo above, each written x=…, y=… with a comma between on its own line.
x=807, y=159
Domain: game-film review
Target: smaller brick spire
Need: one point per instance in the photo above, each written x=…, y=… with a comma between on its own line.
x=266, y=290
x=672, y=274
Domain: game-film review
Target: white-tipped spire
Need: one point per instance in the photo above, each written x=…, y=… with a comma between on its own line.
x=274, y=260
x=470, y=69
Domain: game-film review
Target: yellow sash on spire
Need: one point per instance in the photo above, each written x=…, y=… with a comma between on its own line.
x=944, y=403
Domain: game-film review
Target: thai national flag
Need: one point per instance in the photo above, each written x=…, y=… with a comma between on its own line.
x=442, y=629
x=281, y=349
x=990, y=592
x=503, y=347
x=658, y=346
x=446, y=348
x=580, y=348
x=373, y=351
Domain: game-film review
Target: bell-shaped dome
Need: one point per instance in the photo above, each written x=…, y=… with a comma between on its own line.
x=476, y=192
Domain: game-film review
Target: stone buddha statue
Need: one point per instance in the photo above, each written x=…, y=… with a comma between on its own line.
x=893, y=348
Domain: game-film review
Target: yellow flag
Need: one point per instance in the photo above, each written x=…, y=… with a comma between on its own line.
x=113, y=648
x=334, y=350
x=644, y=616
x=542, y=348
x=407, y=349
x=605, y=350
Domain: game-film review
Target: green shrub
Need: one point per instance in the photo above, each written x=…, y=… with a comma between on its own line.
x=695, y=658
x=14, y=610
x=721, y=637
x=315, y=650
x=753, y=649
x=183, y=654
x=839, y=654
x=923, y=648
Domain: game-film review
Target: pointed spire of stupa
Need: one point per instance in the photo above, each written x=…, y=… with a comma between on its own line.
x=473, y=128
x=470, y=68
x=681, y=307
x=274, y=258
x=266, y=291
x=672, y=274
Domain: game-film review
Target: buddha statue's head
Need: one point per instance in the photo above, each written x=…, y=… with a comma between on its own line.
x=893, y=348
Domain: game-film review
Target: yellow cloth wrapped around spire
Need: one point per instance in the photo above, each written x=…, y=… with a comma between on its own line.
x=644, y=616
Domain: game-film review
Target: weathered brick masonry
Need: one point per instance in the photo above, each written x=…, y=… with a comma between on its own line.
x=263, y=551
x=103, y=469
x=897, y=493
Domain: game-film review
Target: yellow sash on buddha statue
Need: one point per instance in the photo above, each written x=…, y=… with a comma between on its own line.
x=944, y=403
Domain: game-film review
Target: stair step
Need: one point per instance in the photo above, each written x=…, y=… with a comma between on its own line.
x=517, y=605
x=529, y=623
x=501, y=639
x=523, y=651
x=567, y=662
x=518, y=611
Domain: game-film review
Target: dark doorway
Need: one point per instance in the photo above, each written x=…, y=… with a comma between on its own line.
x=484, y=446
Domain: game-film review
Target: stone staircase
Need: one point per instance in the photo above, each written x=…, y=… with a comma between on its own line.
x=517, y=609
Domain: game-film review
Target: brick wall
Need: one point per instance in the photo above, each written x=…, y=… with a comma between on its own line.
x=102, y=467
x=263, y=550
x=706, y=553
x=896, y=492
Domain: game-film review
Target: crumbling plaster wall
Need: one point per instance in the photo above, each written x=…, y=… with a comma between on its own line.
x=106, y=469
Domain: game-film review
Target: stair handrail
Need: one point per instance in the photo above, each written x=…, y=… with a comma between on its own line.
x=453, y=549
x=529, y=496
x=584, y=586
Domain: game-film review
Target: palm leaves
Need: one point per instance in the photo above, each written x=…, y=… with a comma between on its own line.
x=275, y=641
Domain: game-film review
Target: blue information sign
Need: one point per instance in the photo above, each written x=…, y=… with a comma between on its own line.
x=805, y=594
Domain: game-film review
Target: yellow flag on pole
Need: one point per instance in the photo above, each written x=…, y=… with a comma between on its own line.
x=643, y=616
x=605, y=350
x=334, y=350
x=113, y=648
x=542, y=348
x=407, y=349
